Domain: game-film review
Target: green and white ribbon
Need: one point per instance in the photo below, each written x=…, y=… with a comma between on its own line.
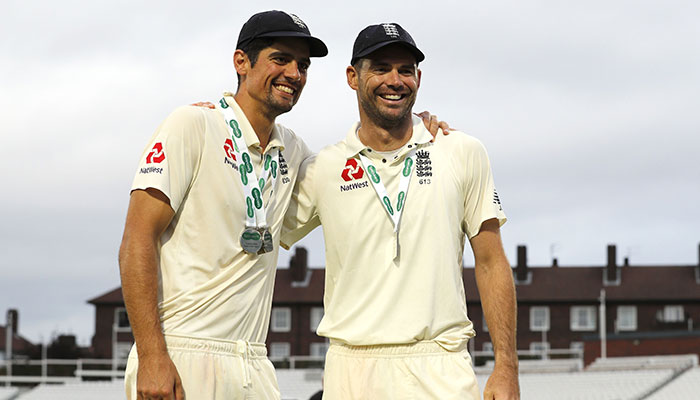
x=394, y=211
x=252, y=185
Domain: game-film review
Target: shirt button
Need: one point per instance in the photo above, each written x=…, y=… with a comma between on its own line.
x=410, y=145
x=383, y=159
x=369, y=150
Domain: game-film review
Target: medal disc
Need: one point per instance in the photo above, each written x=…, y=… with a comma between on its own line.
x=266, y=241
x=251, y=240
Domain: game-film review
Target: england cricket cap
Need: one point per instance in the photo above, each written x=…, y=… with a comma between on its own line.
x=279, y=24
x=374, y=37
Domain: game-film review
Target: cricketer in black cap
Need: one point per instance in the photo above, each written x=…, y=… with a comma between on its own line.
x=183, y=243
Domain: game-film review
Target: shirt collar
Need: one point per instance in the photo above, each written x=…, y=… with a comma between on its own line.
x=251, y=139
x=420, y=136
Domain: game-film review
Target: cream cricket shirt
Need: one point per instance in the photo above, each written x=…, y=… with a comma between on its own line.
x=371, y=297
x=208, y=286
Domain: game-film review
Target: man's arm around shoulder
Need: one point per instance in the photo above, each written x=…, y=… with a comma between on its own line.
x=495, y=281
x=148, y=216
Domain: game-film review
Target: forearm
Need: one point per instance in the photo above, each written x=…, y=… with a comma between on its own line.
x=497, y=291
x=138, y=264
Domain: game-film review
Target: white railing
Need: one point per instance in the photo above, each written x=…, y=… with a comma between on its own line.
x=84, y=367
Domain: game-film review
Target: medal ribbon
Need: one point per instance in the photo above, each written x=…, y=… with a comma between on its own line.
x=252, y=186
x=406, y=172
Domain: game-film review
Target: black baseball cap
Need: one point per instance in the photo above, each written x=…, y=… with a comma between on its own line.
x=279, y=24
x=374, y=37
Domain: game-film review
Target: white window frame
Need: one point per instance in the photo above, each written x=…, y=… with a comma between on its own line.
x=589, y=315
x=673, y=313
x=576, y=346
x=626, y=318
x=315, y=316
x=121, y=350
x=539, y=347
x=318, y=349
x=544, y=325
x=117, y=328
x=487, y=346
x=483, y=322
x=281, y=320
x=280, y=349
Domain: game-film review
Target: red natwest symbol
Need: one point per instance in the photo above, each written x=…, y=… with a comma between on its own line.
x=228, y=148
x=157, y=155
x=352, y=171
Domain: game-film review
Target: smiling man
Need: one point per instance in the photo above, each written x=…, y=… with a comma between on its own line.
x=199, y=251
x=395, y=307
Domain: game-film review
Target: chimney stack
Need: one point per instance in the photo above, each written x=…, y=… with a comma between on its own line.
x=521, y=267
x=611, y=268
x=697, y=267
x=13, y=319
x=298, y=264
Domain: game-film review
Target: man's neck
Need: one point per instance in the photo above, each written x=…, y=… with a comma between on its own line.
x=384, y=139
x=261, y=123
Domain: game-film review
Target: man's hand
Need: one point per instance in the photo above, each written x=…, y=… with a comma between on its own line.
x=157, y=379
x=204, y=104
x=432, y=124
x=502, y=385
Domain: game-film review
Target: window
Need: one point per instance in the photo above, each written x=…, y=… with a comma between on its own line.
x=279, y=350
x=539, y=319
x=281, y=319
x=626, y=318
x=576, y=346
x=539, y=347
x=673, y=314
x=318, y=349
x=583, y=318
x=121, y=350
x=121, y=320
x=316, y=315
x=483, y=323
x=488, y=346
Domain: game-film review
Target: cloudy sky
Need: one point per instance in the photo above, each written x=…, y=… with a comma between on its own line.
x=589, y=110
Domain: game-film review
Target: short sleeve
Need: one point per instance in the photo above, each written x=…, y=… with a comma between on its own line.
x=301, y=217
x=481, y=201
x=171, y=158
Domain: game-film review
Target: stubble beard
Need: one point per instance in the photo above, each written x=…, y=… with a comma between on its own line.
x=383, y=119
x=275, y=108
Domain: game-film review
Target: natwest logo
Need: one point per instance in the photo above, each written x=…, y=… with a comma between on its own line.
x=228, y=148
x=352, y=171
x=157, y=155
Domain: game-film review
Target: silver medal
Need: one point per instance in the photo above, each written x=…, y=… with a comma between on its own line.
x=251, y=240
x=266, y=241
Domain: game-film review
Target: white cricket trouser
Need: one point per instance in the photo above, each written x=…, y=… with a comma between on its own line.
x=420, y=371
x=215, y=369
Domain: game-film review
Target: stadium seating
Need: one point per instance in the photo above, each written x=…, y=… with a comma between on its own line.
x=685, y=386
x=8, y=393
x=299, y=384
x=599, y=385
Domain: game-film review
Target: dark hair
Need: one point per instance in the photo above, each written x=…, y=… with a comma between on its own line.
x=253, y=48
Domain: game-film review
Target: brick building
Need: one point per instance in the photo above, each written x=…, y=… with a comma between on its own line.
x=649, y=310
x=112, y=330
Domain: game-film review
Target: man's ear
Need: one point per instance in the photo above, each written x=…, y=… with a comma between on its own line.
x=352, y=75
x=418, y=74
x=241, y=62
